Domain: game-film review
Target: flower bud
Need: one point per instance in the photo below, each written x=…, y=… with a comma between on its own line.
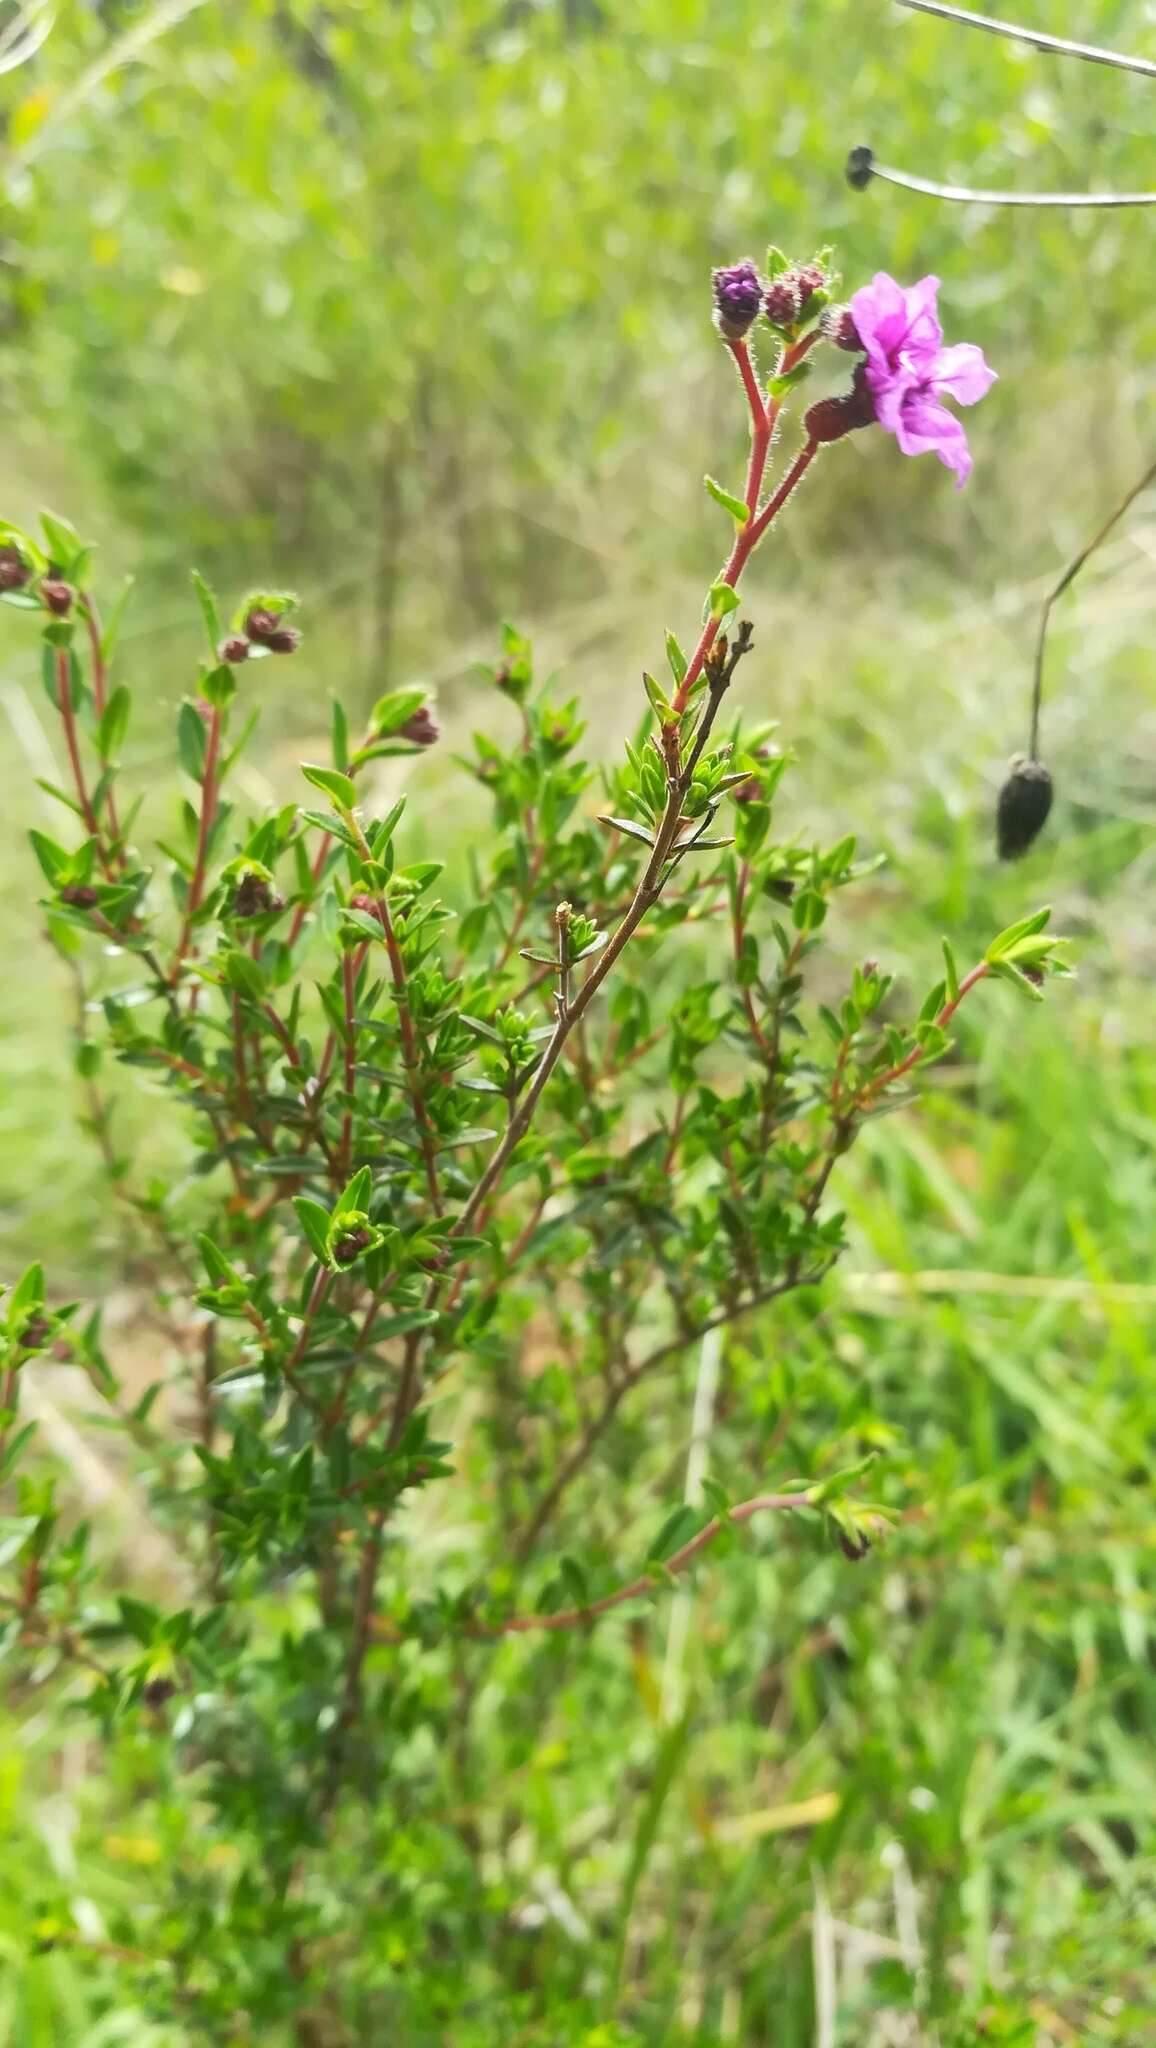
x=830, y=418
x=269, y=630
x=80, y=895
x=839, y=327
x=253, y=897
x=57, y=596
x=347, y=1248
x=234, y=648
x=738, y=293
x=1023, y=806
x=782, y=301
x=14, y=570
x=421, y=728
x=808, y=279
x=35, y=1334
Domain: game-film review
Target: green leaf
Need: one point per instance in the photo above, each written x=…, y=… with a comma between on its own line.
x=656, y=697
x=677, y=1529
x=721, y=600
x=778, y=387
x=356, y=1194
x=53, y=858
x=676, y=658
x=333, y=783
x=113, y=724
x=951, y=974
x=209, y=613
x=632, y=830
x=735, y=506
x=219, y=686
x=339, y=736
x=1026, y=928
x=244, y=975
x=393, y=710
x=191, y=740
x=115, y=620
x=315, y=1223
x=217, y=1266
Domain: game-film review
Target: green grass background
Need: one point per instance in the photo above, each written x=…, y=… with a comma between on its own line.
x=928, y=1780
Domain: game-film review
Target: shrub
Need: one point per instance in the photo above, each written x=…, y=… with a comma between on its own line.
x=461, y=1178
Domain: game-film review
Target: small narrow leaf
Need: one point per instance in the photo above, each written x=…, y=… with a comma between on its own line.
x=735, y=506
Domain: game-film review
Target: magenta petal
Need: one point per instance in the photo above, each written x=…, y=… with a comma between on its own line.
x=927, y=428
x=924, y=333
x=962, y=372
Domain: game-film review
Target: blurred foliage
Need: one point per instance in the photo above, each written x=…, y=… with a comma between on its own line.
x=226, y=268
x=389, y=286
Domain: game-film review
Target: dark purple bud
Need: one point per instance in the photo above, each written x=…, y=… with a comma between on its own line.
x=1023, y=806
x=421, y=728
x=808, y=279
x=35, y=1334
x=839, y=327
x=253, y=897
x=830, y=418
x=57, y=596
x=14, y=570
x=738, y=293
x=81, y=895
x=269, y=630
x=782, y=302
x=158, y=1692
x=234, y=648
x=351, y=1244
x=748, y=792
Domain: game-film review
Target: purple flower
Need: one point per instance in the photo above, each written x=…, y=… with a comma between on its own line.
x=909, y=370
x=738, y=294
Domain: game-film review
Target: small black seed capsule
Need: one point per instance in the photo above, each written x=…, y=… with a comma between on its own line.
x=1023, y=806
x=860, y=167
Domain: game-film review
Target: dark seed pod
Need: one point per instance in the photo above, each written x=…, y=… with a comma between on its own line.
x=1023, y=806
x=860, y=167
x=234, y=648
x=57, y=596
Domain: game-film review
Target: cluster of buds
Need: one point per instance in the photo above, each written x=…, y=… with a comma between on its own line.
x=793, y=293
x=405, y=714
x=264, y=629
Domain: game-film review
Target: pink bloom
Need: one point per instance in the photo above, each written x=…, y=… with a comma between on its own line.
x=908, y=369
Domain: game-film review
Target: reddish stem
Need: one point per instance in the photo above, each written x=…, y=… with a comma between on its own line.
x=943, y=1019
x=764, y=418
x=573, y=1617
x=68, y=720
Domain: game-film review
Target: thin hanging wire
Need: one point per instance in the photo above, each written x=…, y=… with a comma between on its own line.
x=862, y=166
x=1065, y=581
x=1037, y=39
